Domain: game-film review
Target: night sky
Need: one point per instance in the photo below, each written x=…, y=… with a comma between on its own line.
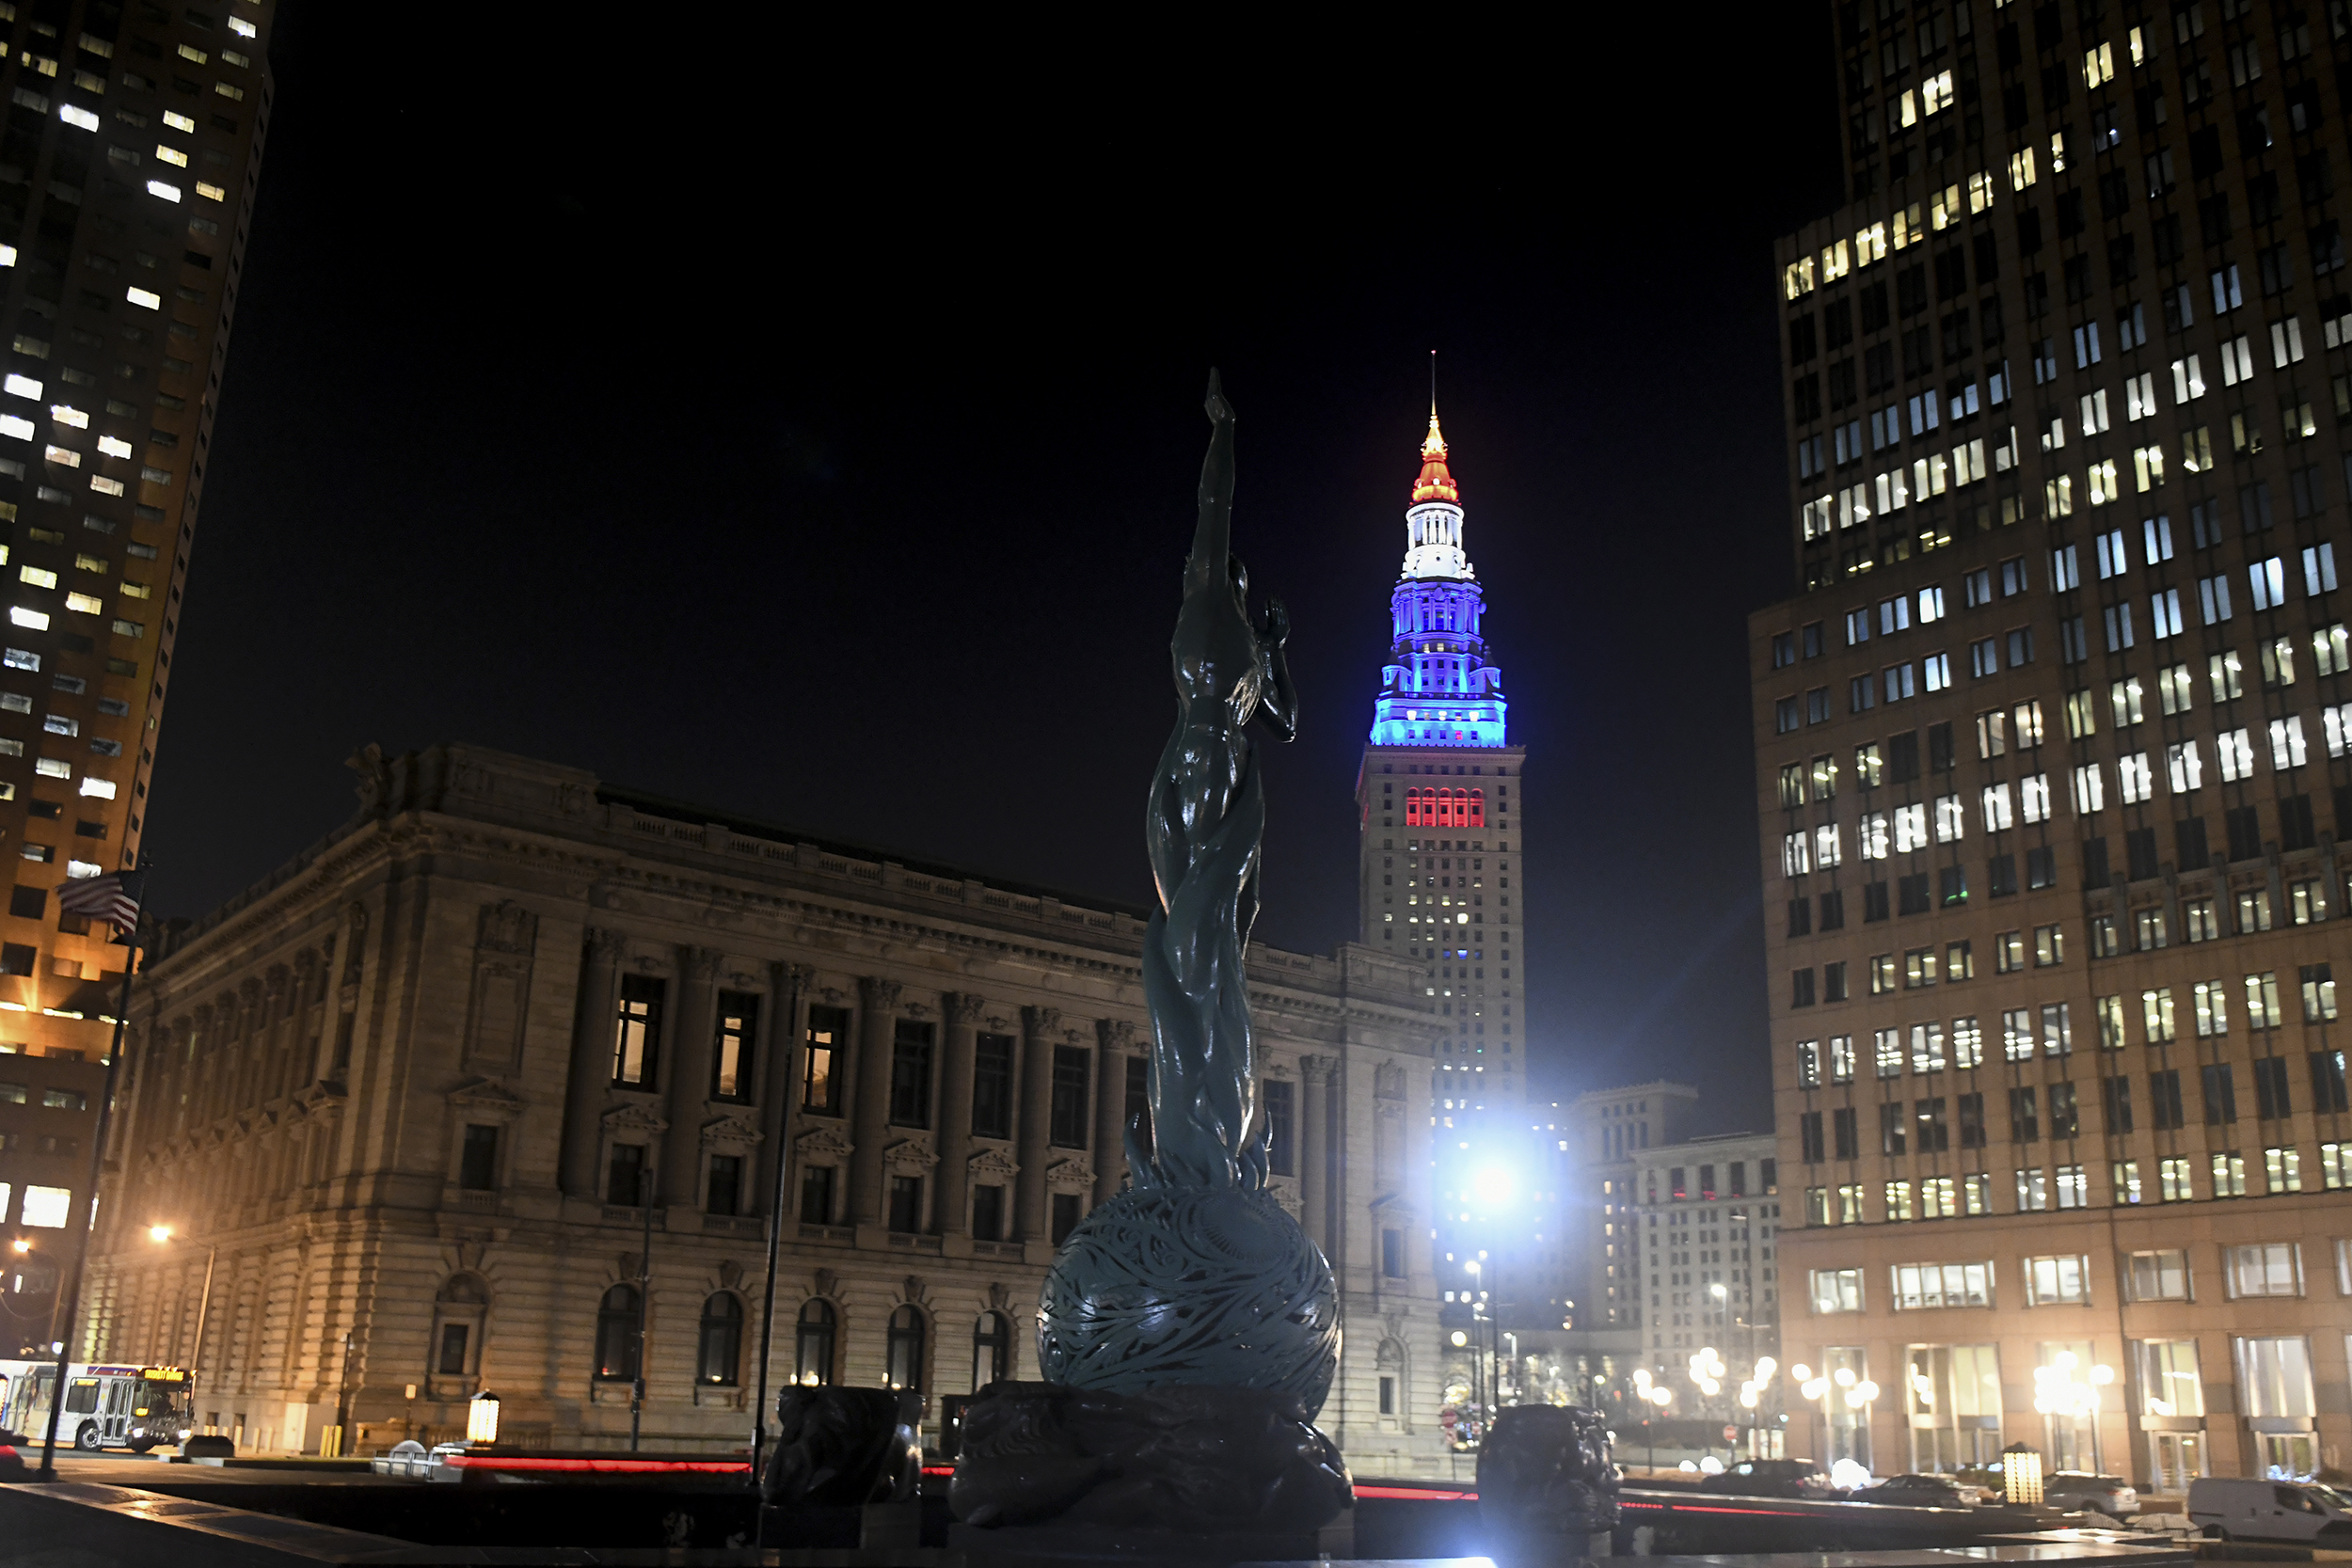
x=823, y=450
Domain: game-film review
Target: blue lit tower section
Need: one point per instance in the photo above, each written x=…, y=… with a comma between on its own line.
x=1437, y=688
x=1441, y=804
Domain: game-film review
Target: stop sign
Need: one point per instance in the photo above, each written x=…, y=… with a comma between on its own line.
x=1730, y=1433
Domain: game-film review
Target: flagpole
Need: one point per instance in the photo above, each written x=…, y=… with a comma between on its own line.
x=70, y=1288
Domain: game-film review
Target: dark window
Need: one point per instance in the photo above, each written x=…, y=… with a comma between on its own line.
x=624, y=1178
x=2028, y=231
x=911, y=1074
x=1892, y=1127
x=1834, y=981
x=1070, y=1063
x=453, y=1357
x=1837, y=322
x=2001, y=876
x=2042, y=868
x=2220, y=1094
x=2139, y=852
x=1139, y=1106
x=987, y=1212
x=2328, y=1081
x=1392, y=1254
x=2025, y=1122
x=1902, y=756
x=817, y=1194
x=1874, y=901
x=1800, y=338
x=904, y=1366
x=1065, y=1216
x=1951, y=885
x=906, y=1204
x=1809, y=1138
x=2244, y=829
x=2115, y=1103
x=1800, y=917
x=1911, y=894
x=2065, y=1117
x=1910, y=290
x=2164, y=1100
x=719, y=1350
x=731, y=1056
x=1845, y=1135
x=1934, y=1135
x=1281, y=1145
x=2296, y=828
x=616, y=1334
x=992, y=1086
x=28, y=903
x=637, y=1032
x=478, y=1162
x=1971, y=1110
x=2095, y=872
x=828, y=1036
x=2271, y=1099
x=812, y=1343
x=1800, y=988
x=2188, y=843
x=724, y=1194
x=1940, y=748
x=1873, y=306
x=991, y=1349
x=1834, y=911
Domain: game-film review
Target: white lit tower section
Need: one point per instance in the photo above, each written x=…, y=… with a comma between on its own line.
x=1439, y=799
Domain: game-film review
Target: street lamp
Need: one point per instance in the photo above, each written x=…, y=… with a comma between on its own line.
x=161, y=1235
x=481, y=1421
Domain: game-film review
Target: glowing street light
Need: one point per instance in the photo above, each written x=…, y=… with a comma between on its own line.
x=1493, y=1186
x=481, y=1420
x=159, y=1233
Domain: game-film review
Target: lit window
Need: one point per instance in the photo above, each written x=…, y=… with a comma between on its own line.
x=47, y=1207
x=80, y=119
x=137, y=591
x=64, y=413
x=171, y=155
x=190, y=52
x=169, y=193
x=210, y=193
x=38, y=576
x=20, y=387
x=33, y=619
x=178, y=121
x=50, y=767
x=227, y=90
x=98, y=787
x=84, y=603
x=145, y=298
x=105, y=486
x=65, y=456
x=243, y=62
x=16, y=426
x=113, y=446
x=242, y=28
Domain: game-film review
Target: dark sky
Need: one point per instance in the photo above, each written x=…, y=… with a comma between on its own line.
x=818, y=440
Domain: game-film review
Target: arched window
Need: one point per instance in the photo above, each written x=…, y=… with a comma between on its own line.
x=1412, y=808
x=991, y=1349
x=812, y=1344
x=905, y=1366
x=721, y=1339
x=1477, y=808
x=1445, y=809
x=616, y=1334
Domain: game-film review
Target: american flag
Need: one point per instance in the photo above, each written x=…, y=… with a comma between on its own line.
x=113, y=898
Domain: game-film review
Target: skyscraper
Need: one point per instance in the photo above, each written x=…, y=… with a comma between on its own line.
x=128, y=164
x=1437, y=806
x=2054, y=747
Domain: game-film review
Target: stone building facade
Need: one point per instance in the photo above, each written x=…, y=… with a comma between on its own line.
x=416, y=1091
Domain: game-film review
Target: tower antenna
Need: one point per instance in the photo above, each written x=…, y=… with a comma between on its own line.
x=1433, y=381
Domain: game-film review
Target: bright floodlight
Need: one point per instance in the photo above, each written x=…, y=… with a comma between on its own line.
x=1492, y=1186
x=159, y=1233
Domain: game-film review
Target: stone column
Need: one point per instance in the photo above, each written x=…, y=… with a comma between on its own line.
x=1040, y=1028
x=591, y=1072
x=688, y=1090
x=1313, y=1149
x=871, y=1114
x=1114, y=1038
x=781, y=1035
x=950, y=1201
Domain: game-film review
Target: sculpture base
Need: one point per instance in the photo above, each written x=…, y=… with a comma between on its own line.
x=1142, y=1548
x=1184, y=1473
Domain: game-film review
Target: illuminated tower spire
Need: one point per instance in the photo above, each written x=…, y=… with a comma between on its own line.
x=1437, y=687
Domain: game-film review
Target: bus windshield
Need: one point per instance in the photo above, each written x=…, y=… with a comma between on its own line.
x=162, y=1405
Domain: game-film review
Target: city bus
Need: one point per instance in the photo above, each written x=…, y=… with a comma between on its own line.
x=106, y=1406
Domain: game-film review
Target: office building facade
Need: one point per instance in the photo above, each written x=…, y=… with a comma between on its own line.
x=2053, y=750
x=128, y=164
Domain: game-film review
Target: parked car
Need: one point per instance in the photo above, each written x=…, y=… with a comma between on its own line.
x=2080, y=1491
x=2230, y=1508
x=1922, y=1491
x=12, y=1465
x=1773, y=1477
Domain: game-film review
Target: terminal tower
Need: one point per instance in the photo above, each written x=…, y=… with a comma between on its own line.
x=1439, y=800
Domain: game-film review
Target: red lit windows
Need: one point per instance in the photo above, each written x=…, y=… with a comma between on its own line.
x=1445, y=808
x=1475, y=803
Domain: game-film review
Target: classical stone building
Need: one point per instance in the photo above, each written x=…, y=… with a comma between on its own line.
x=413, y=1095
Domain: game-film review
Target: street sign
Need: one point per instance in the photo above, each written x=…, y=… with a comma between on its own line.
x=1730, y=1434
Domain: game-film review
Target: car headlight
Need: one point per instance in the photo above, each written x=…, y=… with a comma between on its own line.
x=185, y=1433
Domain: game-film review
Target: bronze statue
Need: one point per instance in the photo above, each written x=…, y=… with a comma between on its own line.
x=1201, y=827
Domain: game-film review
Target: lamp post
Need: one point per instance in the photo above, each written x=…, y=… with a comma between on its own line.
x=161, y=1235
x=481, y=1421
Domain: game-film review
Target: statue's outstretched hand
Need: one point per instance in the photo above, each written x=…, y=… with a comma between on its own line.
x=1278, y=623
x=1218, y=410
